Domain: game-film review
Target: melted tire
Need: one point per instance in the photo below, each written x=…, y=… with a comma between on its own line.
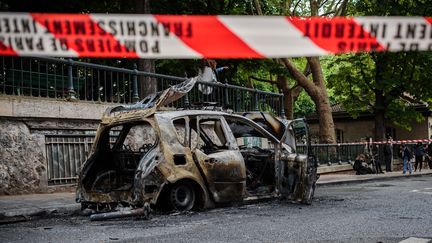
x=182, y=197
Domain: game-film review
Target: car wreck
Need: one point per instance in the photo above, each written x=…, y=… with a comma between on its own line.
x=145, y=154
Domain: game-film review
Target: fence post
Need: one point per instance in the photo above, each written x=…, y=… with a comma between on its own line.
x=328, y=155
x=71, y=91
x=338, y=154
x=186, y=100
x=255, y=97
x=226, y=100
x=135, y=97
x=282, y=106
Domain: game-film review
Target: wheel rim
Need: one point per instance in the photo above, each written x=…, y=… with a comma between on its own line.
x=182, y=197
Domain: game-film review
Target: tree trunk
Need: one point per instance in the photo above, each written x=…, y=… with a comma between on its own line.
x=290, y=96
x=147, y=85
x=327, y=129
x=380, y=109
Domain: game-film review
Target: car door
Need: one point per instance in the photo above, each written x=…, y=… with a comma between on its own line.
x=218, y=158
x=298, y=169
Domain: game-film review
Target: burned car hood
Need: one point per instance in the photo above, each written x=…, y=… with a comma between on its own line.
x=150, y=104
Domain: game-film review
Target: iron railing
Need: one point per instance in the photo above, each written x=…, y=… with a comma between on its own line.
x=69, y=79
x=331, y=154
x=66, y=153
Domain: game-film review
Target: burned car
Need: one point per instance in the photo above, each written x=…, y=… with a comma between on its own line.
x=192, y=159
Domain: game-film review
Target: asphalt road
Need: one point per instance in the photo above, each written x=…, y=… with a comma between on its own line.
x=386, y=211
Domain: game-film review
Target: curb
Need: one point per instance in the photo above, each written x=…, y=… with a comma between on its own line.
x=363, y=180
x=36, y=213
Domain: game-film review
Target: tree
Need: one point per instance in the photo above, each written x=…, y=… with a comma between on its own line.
x=385, y=84
x=316, y=86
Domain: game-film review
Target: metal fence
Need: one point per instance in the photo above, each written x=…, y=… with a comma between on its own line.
x=65, y=154
x=330, y=154
x=69, y=79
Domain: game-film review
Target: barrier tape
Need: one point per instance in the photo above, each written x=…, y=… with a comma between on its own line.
x=169, y=36
x=394, y=142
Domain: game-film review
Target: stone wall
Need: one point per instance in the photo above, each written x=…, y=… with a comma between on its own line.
x=23, y=164
x=24, y=122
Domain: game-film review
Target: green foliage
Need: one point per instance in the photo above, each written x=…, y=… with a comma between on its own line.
x=402, y=78
x=304, y=105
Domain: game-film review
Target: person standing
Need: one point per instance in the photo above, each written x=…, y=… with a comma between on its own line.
x=419, y=153
x=208, y=73
x=388, y=153
x=406, y=158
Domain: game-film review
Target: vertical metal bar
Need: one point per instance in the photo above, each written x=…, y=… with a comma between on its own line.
x=135, y=83
x=39, y=78
x=112, y=87
x=118, y=89
x=124, y=89
x=13, y=76
x=105, y=87
x=64, y=157
x=22, y=78
x=98, y=86
x=47, y=79
x=92, y=89
x=71, y=91
x=62, y=75
x=48, y=153
x=339, y=154
x=70, y=156
x=255, y=97
x=226, y=105
x=85, y=83
x=30, y=78
x=78, y=92
x=282, y=107
x=328, y=155
x=4, y=75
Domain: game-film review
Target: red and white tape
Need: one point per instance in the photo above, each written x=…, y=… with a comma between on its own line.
x=169, y=36
x=395, y=141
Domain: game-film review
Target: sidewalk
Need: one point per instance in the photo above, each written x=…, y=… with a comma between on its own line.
x=331, y=179
x=25, y=207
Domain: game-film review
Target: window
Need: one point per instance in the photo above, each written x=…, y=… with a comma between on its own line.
x=210, y=136
x=212, y=129
x=339, y=136
x=136, y=138
x=180, y=128
x=247, y=136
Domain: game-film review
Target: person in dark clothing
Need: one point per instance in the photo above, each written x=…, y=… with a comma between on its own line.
x=360, y=166
x=429, y=154
x=419, y=153
x=388, y=153
x=406, y=158
x=371, y=151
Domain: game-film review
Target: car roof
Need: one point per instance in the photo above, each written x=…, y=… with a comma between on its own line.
x=181, y=113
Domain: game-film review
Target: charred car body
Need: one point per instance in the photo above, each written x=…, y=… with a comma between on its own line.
x=186, y=159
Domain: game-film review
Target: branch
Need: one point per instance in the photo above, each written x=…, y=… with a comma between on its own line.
x=258, y=7
x=301, y=79
x=317, y=75
x=295, y=7
x=328, y=13
x=263, y=80
x=324, y=2
x=296, y=90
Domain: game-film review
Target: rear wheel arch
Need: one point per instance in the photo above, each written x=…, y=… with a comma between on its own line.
x=200, y=194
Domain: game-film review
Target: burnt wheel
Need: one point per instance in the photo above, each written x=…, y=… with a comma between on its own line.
x=182, y=196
